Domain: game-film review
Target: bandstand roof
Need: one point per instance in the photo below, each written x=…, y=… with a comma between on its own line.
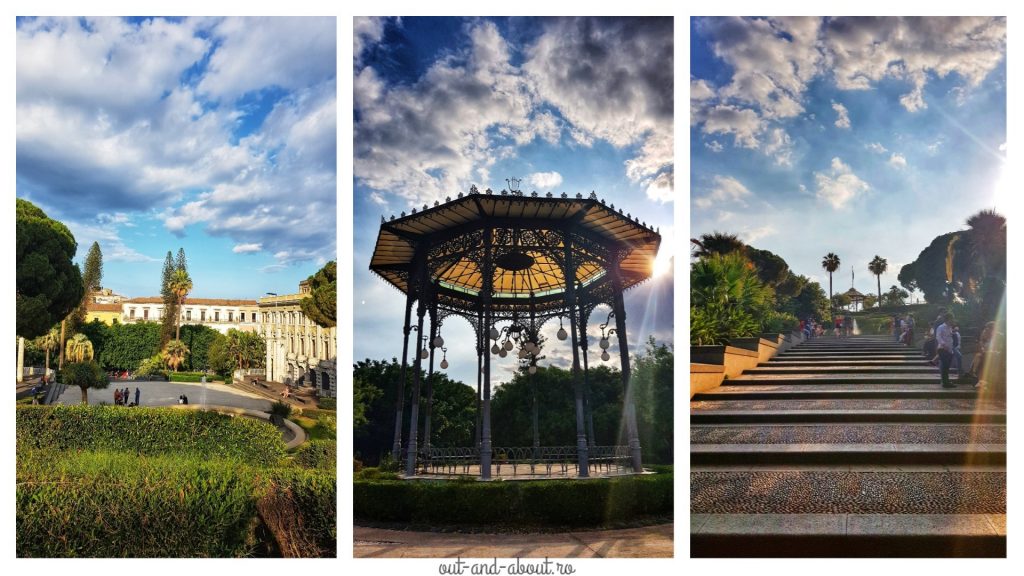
x=854, y=294
x=527, y=233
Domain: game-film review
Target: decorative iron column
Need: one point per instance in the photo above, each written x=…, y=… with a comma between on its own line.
x=421, y=310
x=586, y=392
x=396, y=447
x=569, y=275
x=488, y=288
x=430, y=371
x=480, y=351
x=619, y=307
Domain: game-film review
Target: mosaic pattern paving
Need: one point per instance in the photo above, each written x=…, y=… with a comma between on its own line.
x=846, y=434
x=837, y=492
x=946, y=404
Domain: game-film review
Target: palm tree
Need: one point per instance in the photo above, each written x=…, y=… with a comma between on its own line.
x=79, y=349
x=174, y=354
x=830, y=263
x=49, y=342
x=878, y=266
x=180, y=285
x=717, y=243
x=988, y=238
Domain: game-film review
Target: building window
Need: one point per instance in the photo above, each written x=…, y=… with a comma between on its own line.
x=145, y=313
x=216, y=315
x=202, y=315
x=241, y=316
x=131, y=314
x=302, y=346
x=188, y=315
x=312, y=344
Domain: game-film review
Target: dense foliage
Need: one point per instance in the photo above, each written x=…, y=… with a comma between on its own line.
x=454, y=412
x=321, y=305
x=85, y=375
x=49, y=284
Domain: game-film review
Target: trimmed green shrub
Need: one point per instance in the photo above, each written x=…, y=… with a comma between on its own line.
x=104, y=504
x=374, y=474
x=535, y=503
x=148, y=431
x=189, y=377
x=318, y=454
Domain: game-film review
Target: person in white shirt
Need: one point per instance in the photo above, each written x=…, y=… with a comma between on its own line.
x=944, y=341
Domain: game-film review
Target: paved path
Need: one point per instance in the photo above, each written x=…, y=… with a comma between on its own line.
x=847, y=448
x=166, y=394
x=646, y=542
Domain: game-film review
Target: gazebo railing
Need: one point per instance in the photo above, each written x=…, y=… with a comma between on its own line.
x=538, y=460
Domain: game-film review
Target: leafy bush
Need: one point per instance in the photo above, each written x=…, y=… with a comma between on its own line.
x=537, y=503
x=152, y=366
x=318, y=454
x=727, y=299
x=780, y=322
x=84, y=375
x=103, y=504
x=327, y=403
x=374, y=474
x=147, y=431
x=282, y=409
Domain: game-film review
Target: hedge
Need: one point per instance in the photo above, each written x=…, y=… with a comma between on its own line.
x=318, y=454
x=534, y=503
x=148, y=431
x=103, y=504
x=189, y=376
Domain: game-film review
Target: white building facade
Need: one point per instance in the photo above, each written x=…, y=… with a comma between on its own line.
x=299, y=351
x=219, y=314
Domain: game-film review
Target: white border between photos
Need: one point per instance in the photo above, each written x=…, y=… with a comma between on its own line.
x=344, y=13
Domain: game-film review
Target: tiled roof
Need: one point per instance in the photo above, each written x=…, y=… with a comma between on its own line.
x=194, y=301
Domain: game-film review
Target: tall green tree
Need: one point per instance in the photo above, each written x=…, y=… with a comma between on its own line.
x=830, y=263
x=896, y=296
x=878, y=266
x=174, y=354
x=48, y=283
x=170, y=301
x=180, y=285
x=49, y=342
x=181, y=263
x=85, y=375
x=716, y=243
x=653, y=390
x=92, y=281
x=321, y=305
x=987, y=242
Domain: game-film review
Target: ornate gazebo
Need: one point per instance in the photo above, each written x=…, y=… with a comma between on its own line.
x=501, y=261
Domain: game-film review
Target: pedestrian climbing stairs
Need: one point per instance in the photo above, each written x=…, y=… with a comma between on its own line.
x=847, y=447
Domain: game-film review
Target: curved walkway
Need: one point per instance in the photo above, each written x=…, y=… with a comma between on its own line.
x=166, y=394
x=645, y=542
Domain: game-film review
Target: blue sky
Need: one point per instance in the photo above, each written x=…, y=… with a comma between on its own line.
x=858, y=136
x=567, y=105
x=213, y=134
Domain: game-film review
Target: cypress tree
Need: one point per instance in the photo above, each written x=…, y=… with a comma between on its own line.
x=170, y=301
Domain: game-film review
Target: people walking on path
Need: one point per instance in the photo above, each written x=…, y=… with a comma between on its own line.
x=944, y=341
x=137, y=395
x=958, y=357
x=117, y=397
x=848, y=325
x=981, y=355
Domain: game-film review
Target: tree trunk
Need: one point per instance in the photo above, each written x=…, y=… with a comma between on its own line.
x=177, y=323
x=879, y=276
x=831, y=303
x=85, y=395
x=60, y=364
x=46, y=367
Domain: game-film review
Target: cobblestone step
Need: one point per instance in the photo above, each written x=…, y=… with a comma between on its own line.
x=848, y=535
x=849, y=434
x=843, y=368
x=848, y=362
x=804, y=378
x=837, y=454
x=826, y=391
x=847, y=416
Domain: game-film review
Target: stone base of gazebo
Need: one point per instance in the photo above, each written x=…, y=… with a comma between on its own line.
x=524, y=472
x=524, y=463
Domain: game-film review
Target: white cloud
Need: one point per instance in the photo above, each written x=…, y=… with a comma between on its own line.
x=366, y=30
x=779, y=146
x=701, y=90
x=247, y=248
x=545, y=180
x=603, y=79
x=288, y=52
x=1002, y=147
x=119, y=107
x=714, y=146
x=839, y=186
x=864, y=51
x=754, y=234
x=743, y=123
x=662, y=188
x=842, y=115
x=876, y=147
x=897, y=160
x=724, y=189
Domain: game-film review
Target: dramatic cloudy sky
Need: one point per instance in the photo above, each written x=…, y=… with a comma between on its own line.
x=858, y=136
x=568, y=105
x=216, y=135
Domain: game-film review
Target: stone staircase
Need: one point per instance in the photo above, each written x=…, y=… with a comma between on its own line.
x=844, y=448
